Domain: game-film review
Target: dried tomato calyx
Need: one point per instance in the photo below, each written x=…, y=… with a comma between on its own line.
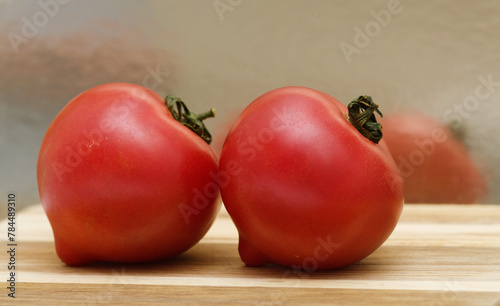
x=192, y=121
x=362, y=117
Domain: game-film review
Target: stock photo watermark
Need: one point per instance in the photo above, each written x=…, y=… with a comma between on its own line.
x=31, y=26
x=154, y=77
x=90, y=140
x=454, y=117
x=486, y=87
x=363, y=36
x=448, y=294
x=11, y=245
x=324, y=249
x=247, y=148
x=426, y=147
x=119, y=278
x=223, y=7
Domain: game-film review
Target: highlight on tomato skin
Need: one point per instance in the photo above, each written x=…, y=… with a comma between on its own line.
x=435, y=165
x=127, y=176
x=309, y=183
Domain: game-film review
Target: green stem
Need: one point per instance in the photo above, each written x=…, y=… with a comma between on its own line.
x=192, y=121
x=362, y=117
x=208, y=114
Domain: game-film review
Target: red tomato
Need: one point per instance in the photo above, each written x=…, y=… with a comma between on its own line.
x=436, y=167
x=122, y=181
x=303, y=186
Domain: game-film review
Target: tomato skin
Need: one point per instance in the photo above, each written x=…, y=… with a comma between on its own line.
x=116, y=175
x=304, y=188
x=436, y=167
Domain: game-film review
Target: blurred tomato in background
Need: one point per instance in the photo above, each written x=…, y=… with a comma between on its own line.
x=436, y=166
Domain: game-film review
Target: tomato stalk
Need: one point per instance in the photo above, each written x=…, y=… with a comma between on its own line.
x=361, y=116
x=189, y=119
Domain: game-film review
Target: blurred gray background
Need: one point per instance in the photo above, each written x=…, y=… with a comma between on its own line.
x=426, y=55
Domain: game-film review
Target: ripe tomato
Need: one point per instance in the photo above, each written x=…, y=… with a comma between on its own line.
x=436, y=167
x=303, y=186
x=122, y=181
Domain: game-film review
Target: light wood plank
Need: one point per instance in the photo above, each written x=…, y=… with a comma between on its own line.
x=438, y=255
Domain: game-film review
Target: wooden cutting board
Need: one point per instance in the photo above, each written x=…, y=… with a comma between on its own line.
x=438, y=255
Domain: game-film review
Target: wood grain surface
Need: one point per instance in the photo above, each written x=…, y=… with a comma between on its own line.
x=438, y=255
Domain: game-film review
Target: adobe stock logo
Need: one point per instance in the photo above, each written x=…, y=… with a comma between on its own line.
x=482, y=92
x=221, y=7
x=30, y=27
x=247, y=149
x=92, y=139
x=362, y=37
x=120, y=108
x=454, y=117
